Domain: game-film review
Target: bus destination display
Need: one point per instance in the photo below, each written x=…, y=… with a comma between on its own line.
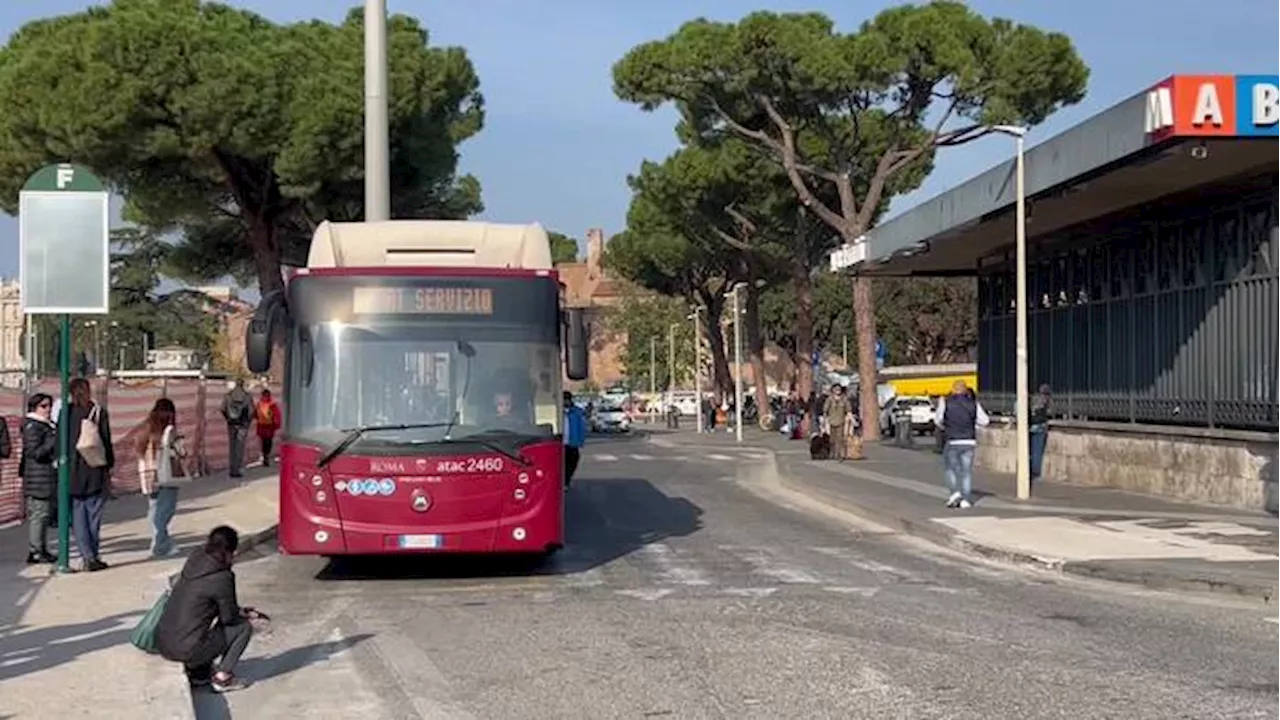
x=422, y=301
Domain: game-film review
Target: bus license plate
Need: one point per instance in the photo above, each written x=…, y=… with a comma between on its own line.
x=421, y=542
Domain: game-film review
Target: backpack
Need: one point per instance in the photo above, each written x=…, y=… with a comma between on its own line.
x=239, y=407
x=89, y=445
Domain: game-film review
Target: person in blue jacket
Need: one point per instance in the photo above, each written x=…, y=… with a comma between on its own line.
x=575, y=436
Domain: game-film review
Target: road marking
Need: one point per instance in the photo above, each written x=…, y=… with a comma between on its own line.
x=635, y=456
x=670, y=566
x=605, y=457
x=723, y=458
x=849, y=556
x=761, y=562
x=753, y=592
x=417, y=677
x=865, y=592
x=649, y=594
x=591, y=577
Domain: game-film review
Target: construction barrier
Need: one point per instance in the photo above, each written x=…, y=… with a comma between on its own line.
x=127, y=401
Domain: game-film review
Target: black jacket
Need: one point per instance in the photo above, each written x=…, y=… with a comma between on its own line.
x=39, y=450
x=89, y=481
x=205, y=592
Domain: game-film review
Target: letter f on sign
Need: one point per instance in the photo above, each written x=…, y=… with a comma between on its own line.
x=65, y=174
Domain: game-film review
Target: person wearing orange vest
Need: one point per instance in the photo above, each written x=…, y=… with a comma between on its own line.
x=266, y=415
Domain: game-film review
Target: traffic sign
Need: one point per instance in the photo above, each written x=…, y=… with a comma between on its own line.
x=64, y=257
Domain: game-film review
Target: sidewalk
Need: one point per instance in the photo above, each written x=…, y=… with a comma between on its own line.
x=1089, y=531
x=64, y=640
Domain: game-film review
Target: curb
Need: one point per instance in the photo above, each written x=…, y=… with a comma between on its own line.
x=247, y=543
x=939, y=535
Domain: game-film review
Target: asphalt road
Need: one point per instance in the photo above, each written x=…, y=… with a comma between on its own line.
x=689, y=593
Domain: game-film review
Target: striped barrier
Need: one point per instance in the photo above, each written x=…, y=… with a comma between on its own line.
x=197, y=400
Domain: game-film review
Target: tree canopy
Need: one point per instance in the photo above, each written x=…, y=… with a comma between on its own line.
x=858, y=114
x=564, y=249
x=239, y=133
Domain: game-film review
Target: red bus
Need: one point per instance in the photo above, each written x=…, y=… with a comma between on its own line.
x=422, y=381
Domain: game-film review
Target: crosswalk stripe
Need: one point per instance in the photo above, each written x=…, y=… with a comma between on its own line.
x=605, y=457
x=717, y=456
x=763, y=563
x=635, y=456
x=670, y=566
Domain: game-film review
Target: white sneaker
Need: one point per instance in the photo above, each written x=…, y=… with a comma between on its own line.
x=965, y=504
x=954, y=500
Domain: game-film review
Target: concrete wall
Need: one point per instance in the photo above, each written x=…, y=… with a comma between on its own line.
x=1231, y=469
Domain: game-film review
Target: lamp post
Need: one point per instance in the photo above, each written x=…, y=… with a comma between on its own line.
x=1021, y=390
x=671, y=357
x=377, y=160
x=697, y=363
x=737, y=361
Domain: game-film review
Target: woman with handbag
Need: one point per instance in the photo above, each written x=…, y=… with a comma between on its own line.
x=91, y=462
x=161, y=454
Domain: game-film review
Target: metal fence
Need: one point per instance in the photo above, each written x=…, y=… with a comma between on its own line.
x=127, y=401
x=1166, y=321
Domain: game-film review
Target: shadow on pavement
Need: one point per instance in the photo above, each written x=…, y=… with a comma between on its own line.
x=212, y=706
x=27, y=652
x=605, y=519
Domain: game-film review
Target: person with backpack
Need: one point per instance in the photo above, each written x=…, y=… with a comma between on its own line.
x=268, y=418
x=39, y=476
x=92, y=459
x=161, y=454
x=237, y=410
x=203, y=626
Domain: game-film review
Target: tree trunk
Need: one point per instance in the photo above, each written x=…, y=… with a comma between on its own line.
x=864, y=316
x=804, y=333
x=722, y=378
x=266, y=263
x=755, y=351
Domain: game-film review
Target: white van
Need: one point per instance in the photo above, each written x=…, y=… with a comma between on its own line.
x=686, y=401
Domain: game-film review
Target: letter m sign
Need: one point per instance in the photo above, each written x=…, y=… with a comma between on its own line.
x=1159, y=114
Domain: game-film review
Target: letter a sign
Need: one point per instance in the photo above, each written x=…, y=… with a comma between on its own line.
x=64, y=256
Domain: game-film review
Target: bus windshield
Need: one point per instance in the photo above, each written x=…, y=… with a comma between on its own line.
x=487, y=372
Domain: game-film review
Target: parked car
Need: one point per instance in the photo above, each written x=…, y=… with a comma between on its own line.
x=610, y=417
x=919, y=408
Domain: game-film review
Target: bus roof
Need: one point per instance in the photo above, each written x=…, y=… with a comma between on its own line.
x=430, y=243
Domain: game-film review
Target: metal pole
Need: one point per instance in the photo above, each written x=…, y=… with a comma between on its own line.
x=377, y=160
x=653, y=365
x=737, y=363
x=697, y=365
x=97, y=347
x=64, y=450
x=31, y=356
x=671, y=357
x=1024, y=439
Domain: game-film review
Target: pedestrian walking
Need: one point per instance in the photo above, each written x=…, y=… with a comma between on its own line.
x=237, y=410
x=39, y=475
x=92, y=460
x=203, y=625
x=268, y=419
x=1039, y=427
x=161, y=470
x=960, y=415
x=575, y=436
x=836, y=412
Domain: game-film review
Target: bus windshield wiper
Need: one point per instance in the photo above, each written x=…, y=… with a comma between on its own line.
x=488, y=445
x=354, y=434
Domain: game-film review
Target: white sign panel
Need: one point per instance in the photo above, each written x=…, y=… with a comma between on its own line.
x=64, y=253
x=848, y=255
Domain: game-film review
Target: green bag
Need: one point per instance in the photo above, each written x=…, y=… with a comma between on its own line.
x=144, y=635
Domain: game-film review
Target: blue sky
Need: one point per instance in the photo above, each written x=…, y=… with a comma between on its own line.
x=557, y=146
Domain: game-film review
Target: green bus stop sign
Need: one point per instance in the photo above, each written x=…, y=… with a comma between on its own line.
x=64, y=257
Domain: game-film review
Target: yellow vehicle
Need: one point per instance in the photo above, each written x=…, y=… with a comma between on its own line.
x=928, y=380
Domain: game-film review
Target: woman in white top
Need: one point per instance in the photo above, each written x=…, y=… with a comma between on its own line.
x=160, y=468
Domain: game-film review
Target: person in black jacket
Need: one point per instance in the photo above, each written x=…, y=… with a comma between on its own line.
x=203, y=620
x=90, y=485
x=39, y=477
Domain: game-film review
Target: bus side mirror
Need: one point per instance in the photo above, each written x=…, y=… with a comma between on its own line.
x=575, y=344
x=262, y=327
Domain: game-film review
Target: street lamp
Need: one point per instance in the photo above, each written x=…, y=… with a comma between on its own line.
x=1021, y=390
x=671, y=357
x=377, y=156
x=737, y=360
x=697, y=363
